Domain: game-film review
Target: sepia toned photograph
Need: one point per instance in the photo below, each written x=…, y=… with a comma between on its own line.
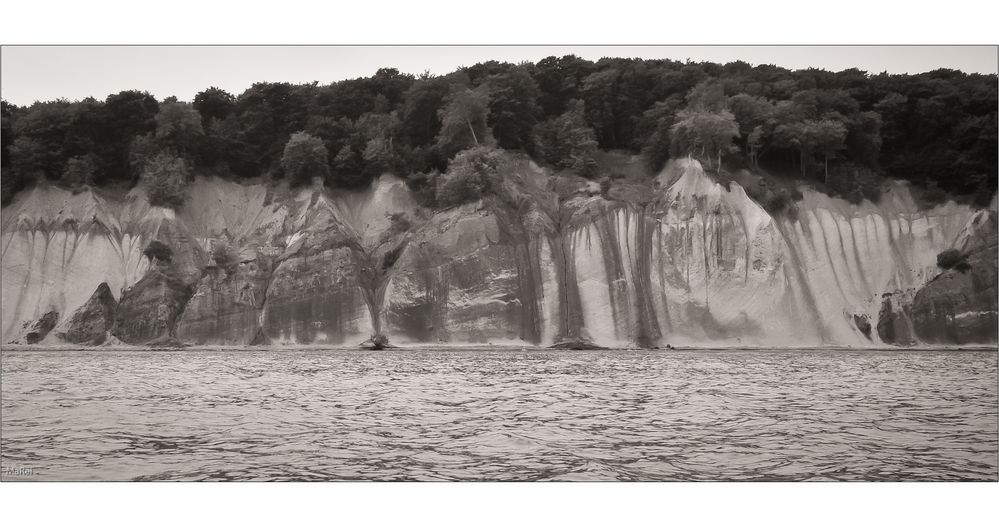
x=467, y=263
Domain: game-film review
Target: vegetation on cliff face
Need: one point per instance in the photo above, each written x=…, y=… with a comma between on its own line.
x=842, y=131
x=953, y=259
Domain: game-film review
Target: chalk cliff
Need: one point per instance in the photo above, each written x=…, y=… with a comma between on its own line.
x=692, y=263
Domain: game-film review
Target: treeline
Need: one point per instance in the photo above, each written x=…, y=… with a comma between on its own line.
x=845, y=131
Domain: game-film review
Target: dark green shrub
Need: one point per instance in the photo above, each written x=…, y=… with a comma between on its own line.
x=304, y=157
x=953, y=259
x=157, y=250
x=225, y=256
x=469, y=177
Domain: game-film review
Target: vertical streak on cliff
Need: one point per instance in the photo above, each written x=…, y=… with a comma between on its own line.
x=860, y=265
x=688, y=250
x=745, y=234
x=704, y=253
x=49, y=235
x=613, y=268
x=30, y=237
x=528, y=257
x=648, y=325
x=436, y=283
x=661, y=268
x=858, y=277
x=797, y=267
x=821, y=232
x=570, y=312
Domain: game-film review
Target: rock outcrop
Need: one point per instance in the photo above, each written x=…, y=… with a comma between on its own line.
x=895, y=319
x=36, y=331
x=960, y=306
x=91, y=323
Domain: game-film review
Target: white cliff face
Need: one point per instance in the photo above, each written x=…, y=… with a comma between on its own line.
x=852, y=255
x=57, y=248
x=699, y=265
x=702, y=266
x=714, y=268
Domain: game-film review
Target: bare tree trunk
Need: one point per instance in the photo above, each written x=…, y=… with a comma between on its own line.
x=827, y=170
x=471, y=129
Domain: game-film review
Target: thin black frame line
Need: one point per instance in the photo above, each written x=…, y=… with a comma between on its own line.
x=589, y=45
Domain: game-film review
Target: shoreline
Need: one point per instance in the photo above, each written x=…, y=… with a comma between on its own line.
x=482, y=347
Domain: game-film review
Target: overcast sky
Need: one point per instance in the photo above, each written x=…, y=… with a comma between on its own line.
x=44, y=73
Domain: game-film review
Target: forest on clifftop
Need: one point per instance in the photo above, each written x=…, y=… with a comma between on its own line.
x=842, y=132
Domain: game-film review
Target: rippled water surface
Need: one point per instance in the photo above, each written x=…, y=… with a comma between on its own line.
x=498, y=415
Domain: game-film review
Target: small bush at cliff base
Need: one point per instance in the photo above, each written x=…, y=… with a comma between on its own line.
x=953, y=259
x=157, y=250
x=225, y=256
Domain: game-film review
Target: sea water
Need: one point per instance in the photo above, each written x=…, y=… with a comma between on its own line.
x=506, y=414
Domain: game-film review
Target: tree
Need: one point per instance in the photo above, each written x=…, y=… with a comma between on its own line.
x=854, y=182
x=38, y=148
x=559, y=80
x=79, y=173
x=464, y=120
x=28, y=158
x=710, y=133
x=793, y=136
x=513, y=108
x=214, y=103
x=126, y=115
x=347, y=168
x=708, y=96
x=304, y=158
x=600, y=92
x=268, y=114
x=755, y=116
x=936, y=129
x=378, y=156
x=420, y=118
x=178, y=128
x=470, y=175
x=655, y=127
x=567, y=141
x=165, y=177
x=828, y=138
x=864, y=138
x=389, y=85
x=142, y=149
